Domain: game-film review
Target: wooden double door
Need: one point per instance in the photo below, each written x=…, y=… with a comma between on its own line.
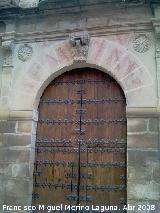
x=81, y=142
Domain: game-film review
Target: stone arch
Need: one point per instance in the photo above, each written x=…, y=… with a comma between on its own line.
x=105, y=55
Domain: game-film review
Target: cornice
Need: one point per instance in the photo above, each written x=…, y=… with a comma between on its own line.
x=54, y=4
x=49, y=4
x=55, y=35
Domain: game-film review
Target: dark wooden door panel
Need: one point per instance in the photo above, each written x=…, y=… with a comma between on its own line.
x=81, y=141
x=53, y=179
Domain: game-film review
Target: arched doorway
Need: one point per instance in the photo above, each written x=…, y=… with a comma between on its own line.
x=81, y=142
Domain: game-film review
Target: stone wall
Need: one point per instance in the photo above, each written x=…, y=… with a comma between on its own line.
x=35, y=49
x=143, y=161
x=15, y=160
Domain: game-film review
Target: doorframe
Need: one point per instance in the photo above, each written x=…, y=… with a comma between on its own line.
x=36, y=113
x=36, y=117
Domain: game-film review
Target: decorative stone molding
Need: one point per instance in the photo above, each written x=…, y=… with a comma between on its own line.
x=8, y=47
x=25, y=52
x=156, y=26
x=7, y=60
x=141, y=43
x=80, y=44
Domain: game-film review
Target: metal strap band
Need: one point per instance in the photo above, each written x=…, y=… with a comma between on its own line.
x=82, y=150
x=88, y=187
x=83, y=122
x=83, y=101
x=96, y=164
x=96, y=141
x=80, y=81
